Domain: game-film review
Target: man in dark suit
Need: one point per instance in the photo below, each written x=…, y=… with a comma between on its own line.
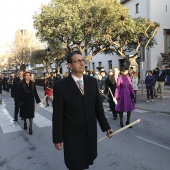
x=15, y=93
x=76, y=106
x=111, y=83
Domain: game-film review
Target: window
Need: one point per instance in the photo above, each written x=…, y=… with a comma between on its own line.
x=166, y=8
x=167, y=40
x=110, y=64
x=100, y=64
x=137, y=8
x=93, y=66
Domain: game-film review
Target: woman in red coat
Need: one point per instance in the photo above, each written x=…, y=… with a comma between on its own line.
x=48, y=91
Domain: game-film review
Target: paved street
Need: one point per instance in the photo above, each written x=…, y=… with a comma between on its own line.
x=144, y=147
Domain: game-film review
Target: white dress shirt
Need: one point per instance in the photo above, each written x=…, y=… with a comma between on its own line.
x=75, y=79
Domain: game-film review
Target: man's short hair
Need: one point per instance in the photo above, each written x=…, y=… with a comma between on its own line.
x=71, y=54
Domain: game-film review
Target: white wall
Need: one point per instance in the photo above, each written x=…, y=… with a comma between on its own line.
x=155, y=10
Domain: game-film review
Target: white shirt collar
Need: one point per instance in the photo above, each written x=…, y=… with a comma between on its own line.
x=75, y=79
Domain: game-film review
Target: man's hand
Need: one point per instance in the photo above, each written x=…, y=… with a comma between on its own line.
x=109, y=132
x=58, y=146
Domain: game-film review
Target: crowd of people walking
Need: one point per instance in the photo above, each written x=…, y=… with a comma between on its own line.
x=77, y=103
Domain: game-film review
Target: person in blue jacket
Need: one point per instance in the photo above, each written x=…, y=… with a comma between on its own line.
x=149, y=81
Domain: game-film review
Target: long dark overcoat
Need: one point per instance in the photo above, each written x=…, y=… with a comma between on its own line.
x=1, y=85
x=27, y=96
x=112, y=86
x=15, y=89
x=74, y=120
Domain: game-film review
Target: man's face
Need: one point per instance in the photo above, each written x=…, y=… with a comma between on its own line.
x=162, y=68
x=21, y=74
x=130, y=71
x=78, y=64
x=103, y=74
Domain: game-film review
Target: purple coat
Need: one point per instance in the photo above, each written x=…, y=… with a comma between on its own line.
x=122, y=94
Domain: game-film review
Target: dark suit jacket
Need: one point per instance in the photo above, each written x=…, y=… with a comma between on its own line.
x=15, y=89
x=74, y=120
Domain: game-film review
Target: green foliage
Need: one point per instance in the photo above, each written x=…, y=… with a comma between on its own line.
x=93, y=26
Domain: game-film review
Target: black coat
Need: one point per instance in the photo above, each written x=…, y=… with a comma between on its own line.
x=27, y=97
x=112, y=86
x=15, y=89
x=74, y=120
x=1, y=85
x=160, y=77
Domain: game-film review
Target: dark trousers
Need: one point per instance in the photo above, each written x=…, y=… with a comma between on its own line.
x=135, y=91
x=16, y=111
x=128, y=117
x=149, y=91
x=114, y=112
x=8, y=87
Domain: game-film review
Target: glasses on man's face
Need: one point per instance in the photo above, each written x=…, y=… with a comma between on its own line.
x=79, y=61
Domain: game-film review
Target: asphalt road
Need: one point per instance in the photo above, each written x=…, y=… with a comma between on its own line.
x=144, y=147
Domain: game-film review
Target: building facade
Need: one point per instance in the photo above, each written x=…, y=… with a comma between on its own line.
x=157, y=11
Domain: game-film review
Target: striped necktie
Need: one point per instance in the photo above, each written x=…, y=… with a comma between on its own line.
x=80, y=83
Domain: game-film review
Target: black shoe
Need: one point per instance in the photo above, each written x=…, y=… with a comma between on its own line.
x=30, y=130
x=128, y=124
x=15, y=120
x=121, y=124
x=25, y=126
x=47, y=105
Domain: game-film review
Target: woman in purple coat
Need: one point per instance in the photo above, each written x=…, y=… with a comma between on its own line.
x=124, y=94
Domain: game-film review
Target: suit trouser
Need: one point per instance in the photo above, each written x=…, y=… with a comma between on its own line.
x=8, y=87
x=161, y=85
x=17, y=108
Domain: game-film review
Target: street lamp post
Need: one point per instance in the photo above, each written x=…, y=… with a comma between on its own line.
x=142, y=59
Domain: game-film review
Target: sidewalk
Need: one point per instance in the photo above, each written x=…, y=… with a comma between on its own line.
x=158, y=105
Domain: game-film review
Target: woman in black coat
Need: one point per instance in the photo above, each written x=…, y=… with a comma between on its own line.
x=28, y=95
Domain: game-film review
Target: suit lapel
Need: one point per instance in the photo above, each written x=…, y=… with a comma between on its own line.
x=72, y=85
x=86, y=85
